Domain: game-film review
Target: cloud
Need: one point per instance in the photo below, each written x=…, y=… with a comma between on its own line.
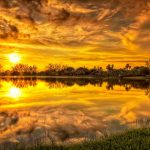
x=8, y=30
x=112, y=26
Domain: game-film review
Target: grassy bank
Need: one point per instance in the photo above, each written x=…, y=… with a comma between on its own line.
x=138, y=139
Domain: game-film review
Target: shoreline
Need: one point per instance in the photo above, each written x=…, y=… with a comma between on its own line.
x=76, y=77
x=44, y=77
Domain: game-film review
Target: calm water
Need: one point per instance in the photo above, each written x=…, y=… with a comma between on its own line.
x=70, y=110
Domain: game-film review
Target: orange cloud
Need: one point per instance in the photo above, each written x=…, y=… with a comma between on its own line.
x=75, y=29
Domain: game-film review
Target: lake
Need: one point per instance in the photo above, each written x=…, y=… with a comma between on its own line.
x=56, y=110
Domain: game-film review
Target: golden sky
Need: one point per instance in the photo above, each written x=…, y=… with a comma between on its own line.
x=75, y=32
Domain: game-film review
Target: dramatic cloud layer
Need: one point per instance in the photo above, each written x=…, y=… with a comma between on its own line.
x=87, y=32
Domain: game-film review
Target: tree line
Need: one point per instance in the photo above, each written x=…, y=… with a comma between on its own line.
x=61, y=70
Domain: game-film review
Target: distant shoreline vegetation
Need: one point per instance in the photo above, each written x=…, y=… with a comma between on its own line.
x=61, y=70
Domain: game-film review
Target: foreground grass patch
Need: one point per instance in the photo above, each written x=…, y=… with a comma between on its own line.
x=138, y=139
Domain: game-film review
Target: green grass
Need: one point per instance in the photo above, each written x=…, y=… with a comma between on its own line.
x=138, y=139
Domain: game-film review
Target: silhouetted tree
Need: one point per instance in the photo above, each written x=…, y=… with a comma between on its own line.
x=54, y=69
x=98, y=71
x=127, y=67
x=109, y=67
x=70, y=71
x=82, y=71
x=110, y=70
x=32, y=70
x=24, y=69
x=148, y=65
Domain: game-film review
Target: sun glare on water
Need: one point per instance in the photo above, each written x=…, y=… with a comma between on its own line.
x=14, y=58
x=14, y=92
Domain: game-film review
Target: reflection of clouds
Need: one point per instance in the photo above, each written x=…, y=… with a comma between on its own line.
x=70, y=113
x=133, y=112
x=62, y=124
x=69, y=122
x=128, y=112
x=7, y=120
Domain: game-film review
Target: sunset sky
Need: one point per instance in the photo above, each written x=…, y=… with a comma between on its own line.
x=74, y=32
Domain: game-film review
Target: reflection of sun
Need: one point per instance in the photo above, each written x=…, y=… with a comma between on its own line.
x=14, y=92
x=14, y=58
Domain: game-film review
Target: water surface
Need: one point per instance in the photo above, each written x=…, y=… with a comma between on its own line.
x=70, y=110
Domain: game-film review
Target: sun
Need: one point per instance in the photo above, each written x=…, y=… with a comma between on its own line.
x=14, y=58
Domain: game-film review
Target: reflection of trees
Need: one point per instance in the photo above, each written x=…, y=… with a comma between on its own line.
x=147, y=92
x=128, y=84
x=23, y=83
x=55, y=85
x=127, y=87
x=73, y=81
x=109, y=86
x=68, y=82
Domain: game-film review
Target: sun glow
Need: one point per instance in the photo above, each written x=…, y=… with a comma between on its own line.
x=14, y=58
x=14, y=92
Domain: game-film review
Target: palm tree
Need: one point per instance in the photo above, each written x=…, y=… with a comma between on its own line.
x=127, y=67
x=109, y=67
x=110, y=70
